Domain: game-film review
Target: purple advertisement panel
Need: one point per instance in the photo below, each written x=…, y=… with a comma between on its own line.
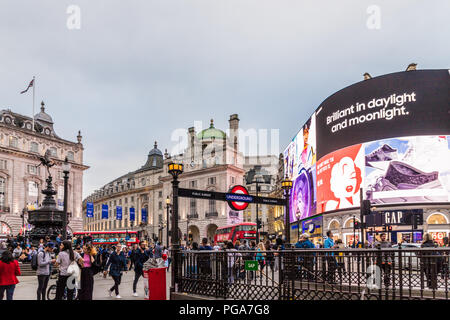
x=301, y=169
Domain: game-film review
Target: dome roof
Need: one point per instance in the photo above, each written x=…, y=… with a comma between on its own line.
x=155, y=151
x=42, y=116
x=212, y=133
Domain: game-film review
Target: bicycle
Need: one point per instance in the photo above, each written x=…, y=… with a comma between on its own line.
x=51, y=292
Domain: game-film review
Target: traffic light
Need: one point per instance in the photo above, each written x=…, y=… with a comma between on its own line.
x=365, y=207
x=357, y=225
x=258, y=224
x=417, y=220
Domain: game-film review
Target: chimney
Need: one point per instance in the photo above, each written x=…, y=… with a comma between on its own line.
x=234, y=130
x=191, y=142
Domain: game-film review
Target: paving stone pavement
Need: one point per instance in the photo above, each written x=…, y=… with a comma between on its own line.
x=27, y=286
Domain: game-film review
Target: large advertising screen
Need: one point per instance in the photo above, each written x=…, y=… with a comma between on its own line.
x=300, y=166
x=388, y=135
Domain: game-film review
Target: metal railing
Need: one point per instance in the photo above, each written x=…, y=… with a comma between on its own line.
x=211, y=214
x=317, y=274
x=192, y=215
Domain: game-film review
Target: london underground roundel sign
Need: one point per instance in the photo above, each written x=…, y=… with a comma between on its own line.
x=238, y=198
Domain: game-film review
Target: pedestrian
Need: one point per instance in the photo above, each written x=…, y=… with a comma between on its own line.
x=17, y=252
x=330, y=259
x=87, y=272
x=104, y=255
x=59, y=240
x=9, y=270
x=340, y=258
x=384, y=260
x=131, y=255
x=65, y=258
x=233, y=256
x=270, y=258
x=157, y=251
x=431, y=261
x=141, y=255
x=260, y=258
x=44, y=260
x=116, y=264
x=204, y=259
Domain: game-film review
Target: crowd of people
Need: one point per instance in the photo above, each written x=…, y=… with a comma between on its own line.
x=75, y=263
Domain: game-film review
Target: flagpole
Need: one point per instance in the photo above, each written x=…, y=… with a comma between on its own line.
x=32, y=116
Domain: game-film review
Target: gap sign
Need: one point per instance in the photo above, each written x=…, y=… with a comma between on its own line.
x=251, y=265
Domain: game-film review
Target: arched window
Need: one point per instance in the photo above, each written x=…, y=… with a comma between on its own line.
x=349, y=223
x=334, y=225
x=437, y=218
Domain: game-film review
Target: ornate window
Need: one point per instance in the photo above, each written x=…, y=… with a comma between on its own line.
x=13, y=142
x=436, y=218
x=32, y=169
x=34, y=147
x=212, y=206
x=70, y=156
x=53, y=152
x=3, y=164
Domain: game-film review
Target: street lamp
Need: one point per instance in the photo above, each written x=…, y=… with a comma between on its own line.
x=66, y=169
x=175, y=169
x=286, y=185
x=256, y=181
x=167, y=220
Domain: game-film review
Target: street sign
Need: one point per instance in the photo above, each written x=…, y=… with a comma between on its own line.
x=238, y=198
x=392, y=217
x=89, y=210
x=251, y=265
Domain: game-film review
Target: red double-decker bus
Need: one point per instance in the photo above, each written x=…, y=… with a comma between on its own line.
x=109, y=237
x=241, y=231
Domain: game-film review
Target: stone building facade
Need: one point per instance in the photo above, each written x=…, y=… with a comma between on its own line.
x=212, y=161
x=21, y=177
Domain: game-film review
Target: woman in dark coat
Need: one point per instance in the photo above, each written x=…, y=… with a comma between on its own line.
x=117, y=263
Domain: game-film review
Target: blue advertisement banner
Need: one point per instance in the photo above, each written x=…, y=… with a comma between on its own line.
x=144, y=214
x=119, y=213
x=89, y=210
x=104, y=211
x=132, y=214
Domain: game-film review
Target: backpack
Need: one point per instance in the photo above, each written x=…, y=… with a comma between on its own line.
x=34, y=261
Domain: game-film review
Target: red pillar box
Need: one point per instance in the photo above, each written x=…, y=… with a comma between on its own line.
x=156, y=283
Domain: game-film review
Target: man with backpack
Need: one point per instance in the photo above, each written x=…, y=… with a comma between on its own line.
x=41, y=263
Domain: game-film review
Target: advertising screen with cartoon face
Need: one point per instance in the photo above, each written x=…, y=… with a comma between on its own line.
x=340, y=176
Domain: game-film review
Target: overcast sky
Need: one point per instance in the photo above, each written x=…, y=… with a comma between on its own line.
x=137, y=70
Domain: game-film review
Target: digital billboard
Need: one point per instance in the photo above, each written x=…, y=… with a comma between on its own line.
x=388, y=135
x=301, y=169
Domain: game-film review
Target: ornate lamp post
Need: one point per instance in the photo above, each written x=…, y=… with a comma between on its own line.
x=66, y=169
x=286, y=185
x=175, y=170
